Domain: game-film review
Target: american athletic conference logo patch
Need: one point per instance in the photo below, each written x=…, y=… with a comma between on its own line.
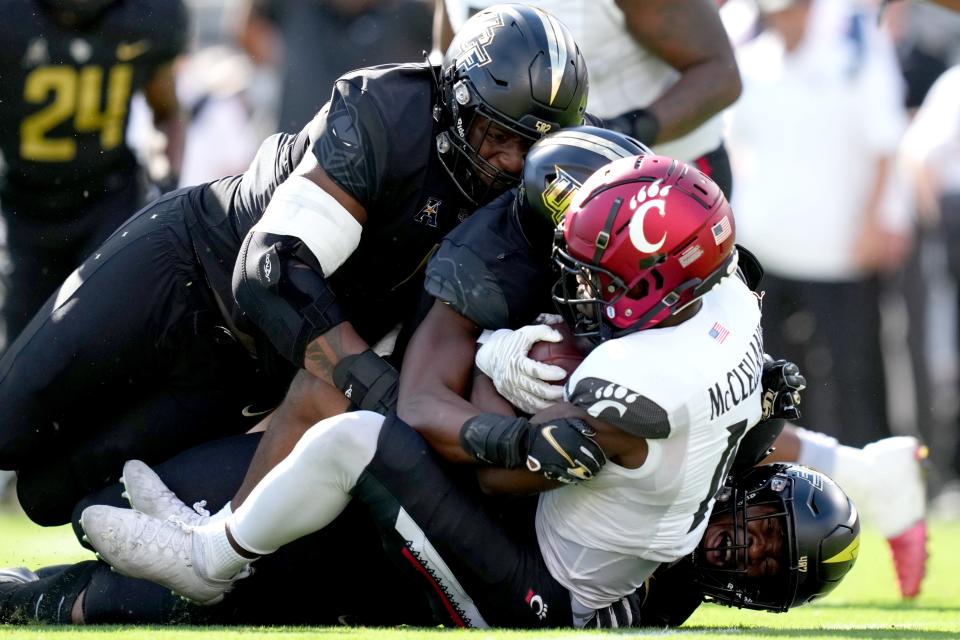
x=430, y=212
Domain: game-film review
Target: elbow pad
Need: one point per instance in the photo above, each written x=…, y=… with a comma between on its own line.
x=280, y=287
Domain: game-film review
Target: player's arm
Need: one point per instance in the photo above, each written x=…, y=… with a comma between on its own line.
x=689, y=36
x=311, y=226
x=437, y=370
x=437, y=375
x=623, y=448
x=168, y=117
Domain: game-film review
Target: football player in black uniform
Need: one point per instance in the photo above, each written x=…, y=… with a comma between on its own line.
x=483, y=571
x=70, y=70
x=563, y=160
x=403, y=152
x=818, y=528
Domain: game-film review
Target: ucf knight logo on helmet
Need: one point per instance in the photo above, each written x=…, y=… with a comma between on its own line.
x=558, y=194
x=473, y=51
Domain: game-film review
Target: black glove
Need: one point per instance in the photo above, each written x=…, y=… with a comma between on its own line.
x=782, y=383
x=639, y=123
x=562, y=450
x=625, y=612
x=368, y=381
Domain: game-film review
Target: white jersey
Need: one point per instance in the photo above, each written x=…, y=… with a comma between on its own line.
x=692, y=390
x=623, y=74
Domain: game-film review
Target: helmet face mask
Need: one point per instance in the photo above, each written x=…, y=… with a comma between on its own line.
x=478, y=178
x=643, y=239
x=804, y=532
x=517, y=67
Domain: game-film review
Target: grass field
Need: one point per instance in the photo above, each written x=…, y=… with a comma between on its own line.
x=865, y=606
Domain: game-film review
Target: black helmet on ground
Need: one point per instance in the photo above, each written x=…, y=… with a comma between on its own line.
x=819, y=539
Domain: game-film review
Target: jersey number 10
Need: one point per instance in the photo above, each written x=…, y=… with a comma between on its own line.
x=77, y=94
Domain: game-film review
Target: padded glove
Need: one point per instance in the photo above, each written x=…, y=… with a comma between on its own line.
x=561, y=450
x=782, y=383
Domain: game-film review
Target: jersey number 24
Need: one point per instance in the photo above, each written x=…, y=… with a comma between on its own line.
x=77, y=95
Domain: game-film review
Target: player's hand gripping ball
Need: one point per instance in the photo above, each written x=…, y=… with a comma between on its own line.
x=565, y=354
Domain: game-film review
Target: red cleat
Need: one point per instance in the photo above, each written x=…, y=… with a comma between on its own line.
x=909, y=551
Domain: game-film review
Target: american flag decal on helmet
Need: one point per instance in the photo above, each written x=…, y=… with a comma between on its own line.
x=721, y=230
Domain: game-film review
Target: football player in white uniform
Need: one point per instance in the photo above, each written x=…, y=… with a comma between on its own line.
x=662, y=71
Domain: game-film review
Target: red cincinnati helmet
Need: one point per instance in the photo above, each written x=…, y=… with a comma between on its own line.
x=644, y=237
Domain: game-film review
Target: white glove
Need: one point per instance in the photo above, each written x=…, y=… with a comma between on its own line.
x=525, y=383
x=548, y=318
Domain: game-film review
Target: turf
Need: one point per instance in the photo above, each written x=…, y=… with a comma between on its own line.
x=865, y=606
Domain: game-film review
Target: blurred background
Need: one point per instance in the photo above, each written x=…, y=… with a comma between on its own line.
x=845, y=150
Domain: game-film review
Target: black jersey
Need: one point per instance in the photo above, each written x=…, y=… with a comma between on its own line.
x=491, y=272
x=220, y=213
x=670, y=595
x=376, y=140
x=65, y=97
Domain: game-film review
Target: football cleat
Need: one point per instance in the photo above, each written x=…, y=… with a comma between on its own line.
x=17, y=575
x=909, y=551
x=147, y=493
x=167, y=552
x=887, y=481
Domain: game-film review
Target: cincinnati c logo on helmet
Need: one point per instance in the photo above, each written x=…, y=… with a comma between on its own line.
x=473, y=50
x=642, y=203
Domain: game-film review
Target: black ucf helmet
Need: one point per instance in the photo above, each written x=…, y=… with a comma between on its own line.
x=820, y=538
x=513, y=65
x=554, y=169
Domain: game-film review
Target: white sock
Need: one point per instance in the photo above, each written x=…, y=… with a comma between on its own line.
x=225, y=512
x=312, y=485
x=220, y=560
x=818, y=451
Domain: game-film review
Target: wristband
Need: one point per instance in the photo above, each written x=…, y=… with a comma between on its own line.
x=368, y=381
x=495, y=439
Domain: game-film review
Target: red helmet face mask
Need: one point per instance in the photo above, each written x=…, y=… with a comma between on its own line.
x=645, y=237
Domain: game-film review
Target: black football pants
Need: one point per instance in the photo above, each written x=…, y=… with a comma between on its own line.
x=127, y=359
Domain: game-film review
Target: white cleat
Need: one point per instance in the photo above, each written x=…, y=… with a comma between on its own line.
x=163, y=551
x=146, y=492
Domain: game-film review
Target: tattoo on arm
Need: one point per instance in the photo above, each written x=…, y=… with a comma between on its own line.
x=323, y=353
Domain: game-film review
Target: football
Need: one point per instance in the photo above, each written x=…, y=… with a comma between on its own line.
x=564, y=354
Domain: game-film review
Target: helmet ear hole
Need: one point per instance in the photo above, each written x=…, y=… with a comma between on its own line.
x=640, y=290
x=657, y=279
